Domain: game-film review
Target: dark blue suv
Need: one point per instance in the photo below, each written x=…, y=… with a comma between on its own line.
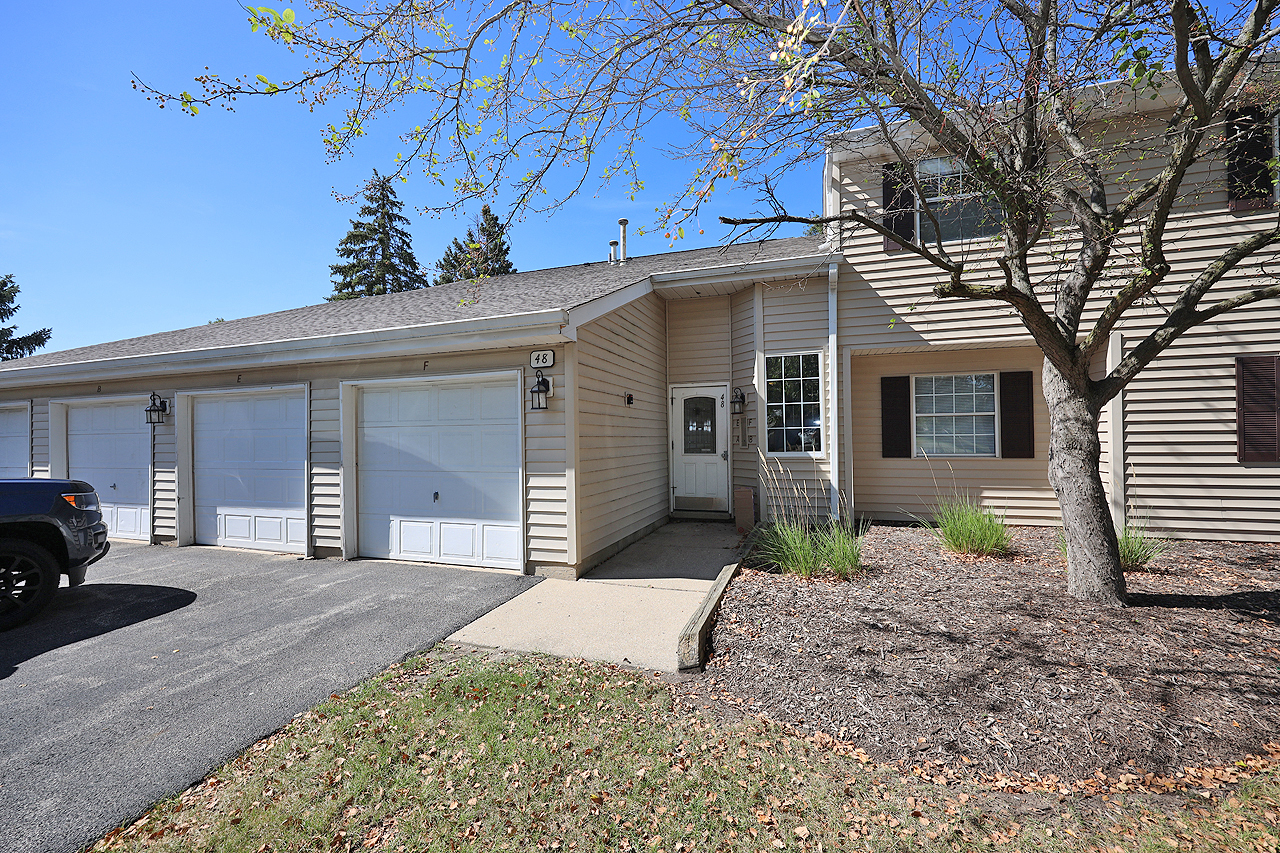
x=48, y=528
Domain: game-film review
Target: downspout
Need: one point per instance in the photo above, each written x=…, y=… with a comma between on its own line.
x=833, y=393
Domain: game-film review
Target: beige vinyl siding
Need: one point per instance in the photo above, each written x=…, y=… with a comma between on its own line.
x=623, y=475
x=698, y=340
x=40, y=437
x=164, y=479
x=746, y=459
x=1182, y=477
x=904, y=488
x=545, y=496
x=795, y=321
x=324, y=480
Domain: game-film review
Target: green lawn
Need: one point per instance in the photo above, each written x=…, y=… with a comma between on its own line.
x=530, y=753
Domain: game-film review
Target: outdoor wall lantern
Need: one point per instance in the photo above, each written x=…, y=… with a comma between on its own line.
x=737, y=401
x=157, y=410
x=539, y=392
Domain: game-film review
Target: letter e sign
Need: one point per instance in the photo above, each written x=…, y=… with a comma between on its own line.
x=542, y=358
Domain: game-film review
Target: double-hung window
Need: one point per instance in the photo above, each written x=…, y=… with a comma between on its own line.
x=955, y=415
x=793, y=403
x=984, y=413
x=962, y=207
x=1251, y=154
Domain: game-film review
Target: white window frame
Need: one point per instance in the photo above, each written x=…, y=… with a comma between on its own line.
x=822, y=411
x=915, y=449
x=922, y=220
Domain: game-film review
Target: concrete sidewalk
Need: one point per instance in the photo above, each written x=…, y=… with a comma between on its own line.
x=629, y=610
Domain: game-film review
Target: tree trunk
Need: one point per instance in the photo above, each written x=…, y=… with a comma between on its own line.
x=1093, y=556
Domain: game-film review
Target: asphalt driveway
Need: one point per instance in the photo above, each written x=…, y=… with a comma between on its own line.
x=169, y=661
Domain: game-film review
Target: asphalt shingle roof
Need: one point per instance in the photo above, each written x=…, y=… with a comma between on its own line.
x=519, y=293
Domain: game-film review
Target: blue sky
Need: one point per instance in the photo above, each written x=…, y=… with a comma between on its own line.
x=120, y=219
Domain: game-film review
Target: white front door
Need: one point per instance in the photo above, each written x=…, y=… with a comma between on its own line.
x=440, y=472
x=249, y=459
x=700, y=448
x=109, y=447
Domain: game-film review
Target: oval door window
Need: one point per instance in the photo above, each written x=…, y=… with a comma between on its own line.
x=700, y=425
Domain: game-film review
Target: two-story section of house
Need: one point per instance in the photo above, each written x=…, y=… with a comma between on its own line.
x=945, y=394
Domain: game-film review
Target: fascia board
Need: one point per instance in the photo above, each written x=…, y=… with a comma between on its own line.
x=483, y=333
x=595, y=309
x=808, y=264
x=1111, y=99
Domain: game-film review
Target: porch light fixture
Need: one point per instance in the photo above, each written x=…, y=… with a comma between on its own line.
x=157, y=410
x=737, y=401
x=539, y=392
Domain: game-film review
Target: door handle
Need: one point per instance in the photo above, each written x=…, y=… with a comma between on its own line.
x=724, y=454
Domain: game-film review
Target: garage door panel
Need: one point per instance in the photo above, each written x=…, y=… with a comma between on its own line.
x=414, y=405
x=417, y=538
x=457, y=440
x=458, y=541
x=501, y=543
x=249, y=461
x=456, y=403
x=498, y=404
x=498, y=449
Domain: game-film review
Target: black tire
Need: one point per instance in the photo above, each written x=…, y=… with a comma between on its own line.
x=29, y=575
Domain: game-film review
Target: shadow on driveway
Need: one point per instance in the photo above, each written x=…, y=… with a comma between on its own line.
x=82, y=612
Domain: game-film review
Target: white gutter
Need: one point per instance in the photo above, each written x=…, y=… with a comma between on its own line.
x=484, y=332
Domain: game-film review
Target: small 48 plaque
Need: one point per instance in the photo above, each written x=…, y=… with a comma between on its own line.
x=542, y=358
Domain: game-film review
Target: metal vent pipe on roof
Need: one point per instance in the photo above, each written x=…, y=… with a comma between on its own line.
x=622, y=240
x=613, y=251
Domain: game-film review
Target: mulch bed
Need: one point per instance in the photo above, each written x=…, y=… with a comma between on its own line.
x=987, y=666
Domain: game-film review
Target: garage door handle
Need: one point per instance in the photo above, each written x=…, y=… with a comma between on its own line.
x=113, y=485
x=436, y=497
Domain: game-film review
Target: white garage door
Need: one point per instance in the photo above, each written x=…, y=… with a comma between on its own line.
x=440, y=474
x=109, y=447
x=15, y=443
x=249, y=455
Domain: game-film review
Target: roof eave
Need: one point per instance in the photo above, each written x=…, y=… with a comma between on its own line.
x=544, y=327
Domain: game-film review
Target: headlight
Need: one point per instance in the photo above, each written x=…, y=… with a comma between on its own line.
x=83, y=500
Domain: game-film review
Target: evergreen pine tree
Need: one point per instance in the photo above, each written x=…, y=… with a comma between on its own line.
x=378, y=251
x=19, y=347
x=482, y=254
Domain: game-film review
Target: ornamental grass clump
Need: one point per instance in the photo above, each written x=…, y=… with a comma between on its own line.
x=794, y=543
x=831, y=549
x=964, y=526
x=1138, y=547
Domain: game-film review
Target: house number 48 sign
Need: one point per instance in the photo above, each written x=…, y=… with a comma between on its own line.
x=542, y=358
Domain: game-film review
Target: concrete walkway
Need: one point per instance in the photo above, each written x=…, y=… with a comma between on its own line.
x=629, y=610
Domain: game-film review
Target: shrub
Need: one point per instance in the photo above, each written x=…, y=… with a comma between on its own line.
x=963, y=525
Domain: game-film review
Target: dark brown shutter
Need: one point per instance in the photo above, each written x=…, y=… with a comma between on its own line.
x=899, y=202
x=1250, y=184
x=1257, y=413
x=1017, y=416
x=895, y=417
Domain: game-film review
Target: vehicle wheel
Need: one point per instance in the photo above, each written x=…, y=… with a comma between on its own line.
x=28, y=578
